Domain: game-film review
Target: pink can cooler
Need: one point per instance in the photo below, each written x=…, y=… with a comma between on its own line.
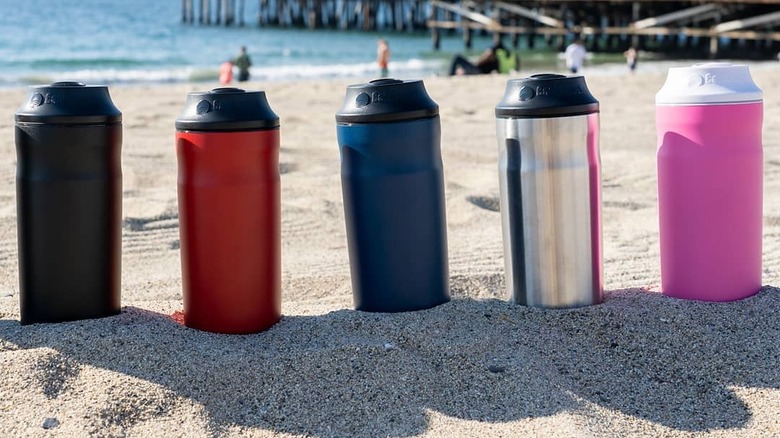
x=710, y=178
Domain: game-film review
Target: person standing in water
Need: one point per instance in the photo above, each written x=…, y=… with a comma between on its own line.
x=382, y=57
x=243, y=63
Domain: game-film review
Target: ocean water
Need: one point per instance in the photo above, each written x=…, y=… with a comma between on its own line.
x=112, y=41
x=143, y=41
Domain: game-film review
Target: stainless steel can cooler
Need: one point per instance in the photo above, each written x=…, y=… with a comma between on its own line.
x=550, y=184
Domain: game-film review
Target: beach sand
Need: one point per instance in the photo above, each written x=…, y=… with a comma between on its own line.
x=640, y=364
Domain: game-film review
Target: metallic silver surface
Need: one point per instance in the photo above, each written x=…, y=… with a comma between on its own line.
x=550, y=210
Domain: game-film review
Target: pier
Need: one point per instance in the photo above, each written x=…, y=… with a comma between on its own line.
x=365, y=15
x=745, y=29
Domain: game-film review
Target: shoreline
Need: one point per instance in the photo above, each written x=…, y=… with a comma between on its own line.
x=410, y=69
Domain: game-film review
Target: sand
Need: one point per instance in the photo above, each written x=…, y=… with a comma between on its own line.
x=640, y=364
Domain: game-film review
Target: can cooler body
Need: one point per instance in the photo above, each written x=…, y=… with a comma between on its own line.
x=393, y=189
x=710, y=178
x=69, y=204
x=389, y=136
x=710, y=182
x=550, y=184
x=227, y=145
x=547, y=126
x=229, y=223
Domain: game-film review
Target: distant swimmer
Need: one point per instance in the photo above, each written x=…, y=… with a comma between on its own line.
x=226, y=72
x=243, y=63
x=383, y=57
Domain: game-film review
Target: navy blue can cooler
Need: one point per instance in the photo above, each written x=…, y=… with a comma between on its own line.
x=392, y=178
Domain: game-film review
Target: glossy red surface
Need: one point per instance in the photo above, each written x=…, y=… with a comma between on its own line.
x=229, y=220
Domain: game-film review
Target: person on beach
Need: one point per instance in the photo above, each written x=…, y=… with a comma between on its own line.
x=243, y=63
x=383, y=57
x=226, y=72
x=631, y=58
x=495, y=58
x=575, y=55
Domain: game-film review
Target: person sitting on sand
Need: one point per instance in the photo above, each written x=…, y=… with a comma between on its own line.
x=495, y=58
x=507, y=61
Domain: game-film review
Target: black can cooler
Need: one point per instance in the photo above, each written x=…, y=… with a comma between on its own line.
x=69, y=203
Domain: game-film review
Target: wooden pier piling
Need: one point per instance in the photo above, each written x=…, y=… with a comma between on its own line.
x=187, y=14
x=229, y=16
x=205, y=12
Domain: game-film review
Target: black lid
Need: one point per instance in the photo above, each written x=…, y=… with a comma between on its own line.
x=547, y=95
x=386, y=100
x=227, y=109
x=71, y=103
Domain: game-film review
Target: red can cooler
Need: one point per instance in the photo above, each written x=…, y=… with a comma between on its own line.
x=227, y=144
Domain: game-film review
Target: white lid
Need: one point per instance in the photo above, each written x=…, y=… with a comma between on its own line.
x=714, y=82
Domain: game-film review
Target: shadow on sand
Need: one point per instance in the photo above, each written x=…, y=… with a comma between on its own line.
x=351, y=373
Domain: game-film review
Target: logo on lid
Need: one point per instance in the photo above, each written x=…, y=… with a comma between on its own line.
x=204, y=106
x=362, y=99
x=695, y=80
x=36, y=100
x=39, y=99
x=526, y=93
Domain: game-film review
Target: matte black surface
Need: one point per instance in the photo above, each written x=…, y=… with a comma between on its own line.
x=227, y=109
x=69, y=103
x=547, y=95
x=69, y=212
x=393, y=187
x=386, y=100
